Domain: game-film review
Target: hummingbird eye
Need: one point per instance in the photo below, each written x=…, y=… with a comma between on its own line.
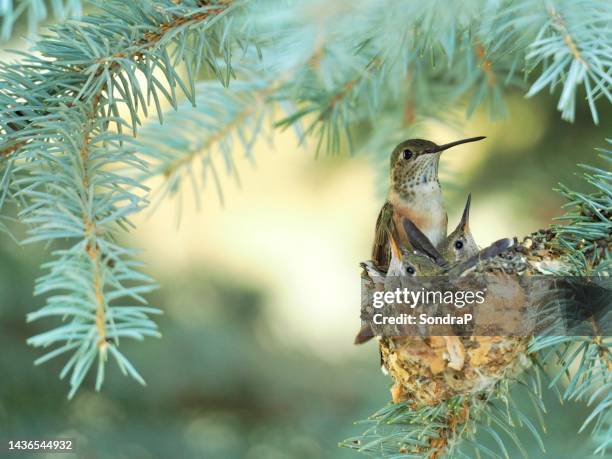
x=407, y=153
x=458, y=245
x=410, y=270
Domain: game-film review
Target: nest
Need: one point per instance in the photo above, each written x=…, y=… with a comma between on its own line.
x=429, y=370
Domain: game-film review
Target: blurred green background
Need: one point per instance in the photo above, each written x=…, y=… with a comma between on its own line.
x=261, y=301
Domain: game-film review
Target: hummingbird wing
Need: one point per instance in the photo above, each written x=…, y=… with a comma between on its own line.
x=421, y=243
x=381, y=250
x=364, y=335
x=492, y=251
x=371, y=279
x=381, y=256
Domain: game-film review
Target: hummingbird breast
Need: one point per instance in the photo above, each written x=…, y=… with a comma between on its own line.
x=424, y=205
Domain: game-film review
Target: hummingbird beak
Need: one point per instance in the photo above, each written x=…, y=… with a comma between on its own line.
x=465, y=218
x=396, y=251
x=446, y=146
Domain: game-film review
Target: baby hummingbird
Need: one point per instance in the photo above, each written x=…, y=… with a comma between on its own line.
x=460, y=244
x=419, y=259
x=414, y=193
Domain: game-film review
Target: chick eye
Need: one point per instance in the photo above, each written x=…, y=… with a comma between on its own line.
x=458, y=245
x=410, y=270
x=407, y=154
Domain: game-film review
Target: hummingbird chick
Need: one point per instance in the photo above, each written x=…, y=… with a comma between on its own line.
x=460, y=244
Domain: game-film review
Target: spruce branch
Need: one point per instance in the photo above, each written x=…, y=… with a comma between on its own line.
x=222, y=119
x=105, y=54
x=585, y=237
x=57, y=108
x=396, y=58
x=72, y=196
x=36, y=11
x=453, y=428
x=572, y=47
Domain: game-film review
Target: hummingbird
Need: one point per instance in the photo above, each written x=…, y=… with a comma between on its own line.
x=414, y=193
x=460, y=244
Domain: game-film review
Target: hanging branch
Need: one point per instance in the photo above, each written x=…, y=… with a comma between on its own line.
x=56, y=113
x=105, y=54
x=72, y=196
x=222, y=120
x=572, y=48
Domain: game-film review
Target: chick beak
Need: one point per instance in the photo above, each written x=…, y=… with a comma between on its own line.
x=465, y=218
x=396, y=251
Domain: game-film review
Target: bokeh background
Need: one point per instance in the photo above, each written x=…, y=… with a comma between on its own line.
x=261, y=299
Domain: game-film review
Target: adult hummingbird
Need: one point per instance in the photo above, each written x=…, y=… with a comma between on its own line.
x=414, y=193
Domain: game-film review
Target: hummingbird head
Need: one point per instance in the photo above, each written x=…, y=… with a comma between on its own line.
x=415, y=161
x=460, y=244
x=420, y=259
x=415, y=263
x=408, y=263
